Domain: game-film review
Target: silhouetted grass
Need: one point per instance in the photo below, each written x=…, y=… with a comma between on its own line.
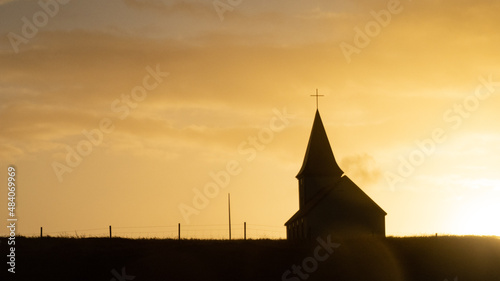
x=407, y=258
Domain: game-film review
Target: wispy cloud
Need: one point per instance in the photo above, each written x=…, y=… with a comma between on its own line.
x=361, y=167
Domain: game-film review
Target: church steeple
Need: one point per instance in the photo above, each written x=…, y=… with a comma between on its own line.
x=319, y=160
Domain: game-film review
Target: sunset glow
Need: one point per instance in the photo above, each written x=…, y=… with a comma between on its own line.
x=143, y=114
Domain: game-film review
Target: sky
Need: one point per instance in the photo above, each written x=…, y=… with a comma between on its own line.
x=141, y=113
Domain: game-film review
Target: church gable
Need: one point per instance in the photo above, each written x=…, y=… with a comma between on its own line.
x=348, y=194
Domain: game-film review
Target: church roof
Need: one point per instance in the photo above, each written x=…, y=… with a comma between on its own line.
x=348, y=191
x=319, y=159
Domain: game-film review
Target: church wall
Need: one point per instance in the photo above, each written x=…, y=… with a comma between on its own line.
x=310, y=186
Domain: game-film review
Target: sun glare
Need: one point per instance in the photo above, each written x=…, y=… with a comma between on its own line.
x=481, y=218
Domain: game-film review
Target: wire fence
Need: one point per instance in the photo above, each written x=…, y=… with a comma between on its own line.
x=179, y=231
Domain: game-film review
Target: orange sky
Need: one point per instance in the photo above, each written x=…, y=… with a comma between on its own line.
x=413, y=72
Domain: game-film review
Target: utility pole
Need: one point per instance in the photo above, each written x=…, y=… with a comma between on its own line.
x=229, y=210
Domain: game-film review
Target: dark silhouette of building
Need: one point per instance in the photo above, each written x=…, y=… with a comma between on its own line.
x=329, y=202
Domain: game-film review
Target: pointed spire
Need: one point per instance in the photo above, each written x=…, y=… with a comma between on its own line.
x=319, y=159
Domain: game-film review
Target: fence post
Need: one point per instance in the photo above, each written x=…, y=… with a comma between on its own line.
x=110, y=232
x=179, y=230
x=245, y=231
x=41, y=231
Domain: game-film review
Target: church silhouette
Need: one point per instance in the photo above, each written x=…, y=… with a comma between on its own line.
x=329, y=202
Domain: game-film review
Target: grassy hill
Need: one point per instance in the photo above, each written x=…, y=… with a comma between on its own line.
x=410, y=258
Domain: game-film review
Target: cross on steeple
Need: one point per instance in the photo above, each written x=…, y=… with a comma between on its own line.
x=317, y=98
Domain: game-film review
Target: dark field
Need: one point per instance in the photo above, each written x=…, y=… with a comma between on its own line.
x=411, y=258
